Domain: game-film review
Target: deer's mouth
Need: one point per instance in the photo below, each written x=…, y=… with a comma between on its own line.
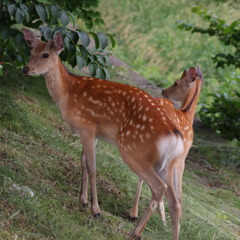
x=164, y=94
x=26, y=70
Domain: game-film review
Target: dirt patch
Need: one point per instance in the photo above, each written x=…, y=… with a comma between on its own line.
x=3, y=153
x=107, y=185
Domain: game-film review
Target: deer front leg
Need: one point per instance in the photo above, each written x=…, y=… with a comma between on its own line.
x=89, y=146
x=83, y=199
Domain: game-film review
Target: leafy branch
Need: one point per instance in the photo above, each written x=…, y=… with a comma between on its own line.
x=50, y=17
x=228, y=34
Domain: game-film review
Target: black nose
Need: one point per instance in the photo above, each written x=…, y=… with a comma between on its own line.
x=25, y=69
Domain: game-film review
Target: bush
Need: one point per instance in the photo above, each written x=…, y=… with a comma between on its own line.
x=223, y=115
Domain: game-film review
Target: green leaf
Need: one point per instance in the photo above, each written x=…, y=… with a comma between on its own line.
x=41, y=11
x=19, y=40
x=84, y=38
x=66, y=42
x=235, y=23
x=73, y=18
x=95, y=14
x=89, y=25
x=26, y=15
x=23, y=6
x=55, y=11
x=100, y=59
x=107, y=73
x=100, y=73
x=48, y=33
x=99, y=21
x=103, y=40
x=64, y=18
x=92, y=67
x=113, y=42
x=83, y=51
x=107, y=61
x=81, y=62
x=72, y=36
x=12, y=9
x=96, y=39
x=19, y=17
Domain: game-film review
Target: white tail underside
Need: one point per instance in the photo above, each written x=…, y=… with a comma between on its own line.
x=169, y=147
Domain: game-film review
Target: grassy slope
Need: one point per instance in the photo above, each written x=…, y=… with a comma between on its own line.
x=38, y=152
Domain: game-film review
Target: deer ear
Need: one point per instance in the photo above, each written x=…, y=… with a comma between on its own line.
x=199, y=73
x=29, y=37
x=191, y=74
x=58, y=42
x=184, y=74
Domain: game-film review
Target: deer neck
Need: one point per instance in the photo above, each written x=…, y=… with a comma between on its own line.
x=190, y=103
x=57, y=83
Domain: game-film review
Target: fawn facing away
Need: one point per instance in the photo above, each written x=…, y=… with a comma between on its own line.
x=186, y=90
x=144, y=130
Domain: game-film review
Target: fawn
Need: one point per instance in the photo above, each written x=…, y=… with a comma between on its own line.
x=146, y=132
x=186, y=91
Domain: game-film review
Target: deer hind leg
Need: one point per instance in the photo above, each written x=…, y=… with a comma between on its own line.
x=83, y=199
x=161, y=210
x=134, y=210
x=173, y=202
x=178, y=174
x=89, y=161
x=158, y=188
x=157, y=185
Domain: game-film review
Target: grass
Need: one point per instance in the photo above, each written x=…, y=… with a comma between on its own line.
x=40, y=155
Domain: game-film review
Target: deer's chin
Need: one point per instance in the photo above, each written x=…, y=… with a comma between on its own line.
x=165, y=96
x=35, y=73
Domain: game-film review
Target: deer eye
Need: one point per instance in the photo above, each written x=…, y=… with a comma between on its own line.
x=175, y=84
x=45, y=55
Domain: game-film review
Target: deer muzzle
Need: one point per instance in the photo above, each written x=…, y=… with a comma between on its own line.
x=25, y=70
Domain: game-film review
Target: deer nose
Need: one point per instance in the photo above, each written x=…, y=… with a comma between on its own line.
x=25, y=69
x=164, y=93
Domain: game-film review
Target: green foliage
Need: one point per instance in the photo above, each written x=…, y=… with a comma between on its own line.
x=228, y=34
x=223, y=115
x=51, y=17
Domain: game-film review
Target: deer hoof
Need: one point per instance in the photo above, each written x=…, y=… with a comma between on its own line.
x=137, y=238
x=85, y=205
x=132, y=218
x=97, y=215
